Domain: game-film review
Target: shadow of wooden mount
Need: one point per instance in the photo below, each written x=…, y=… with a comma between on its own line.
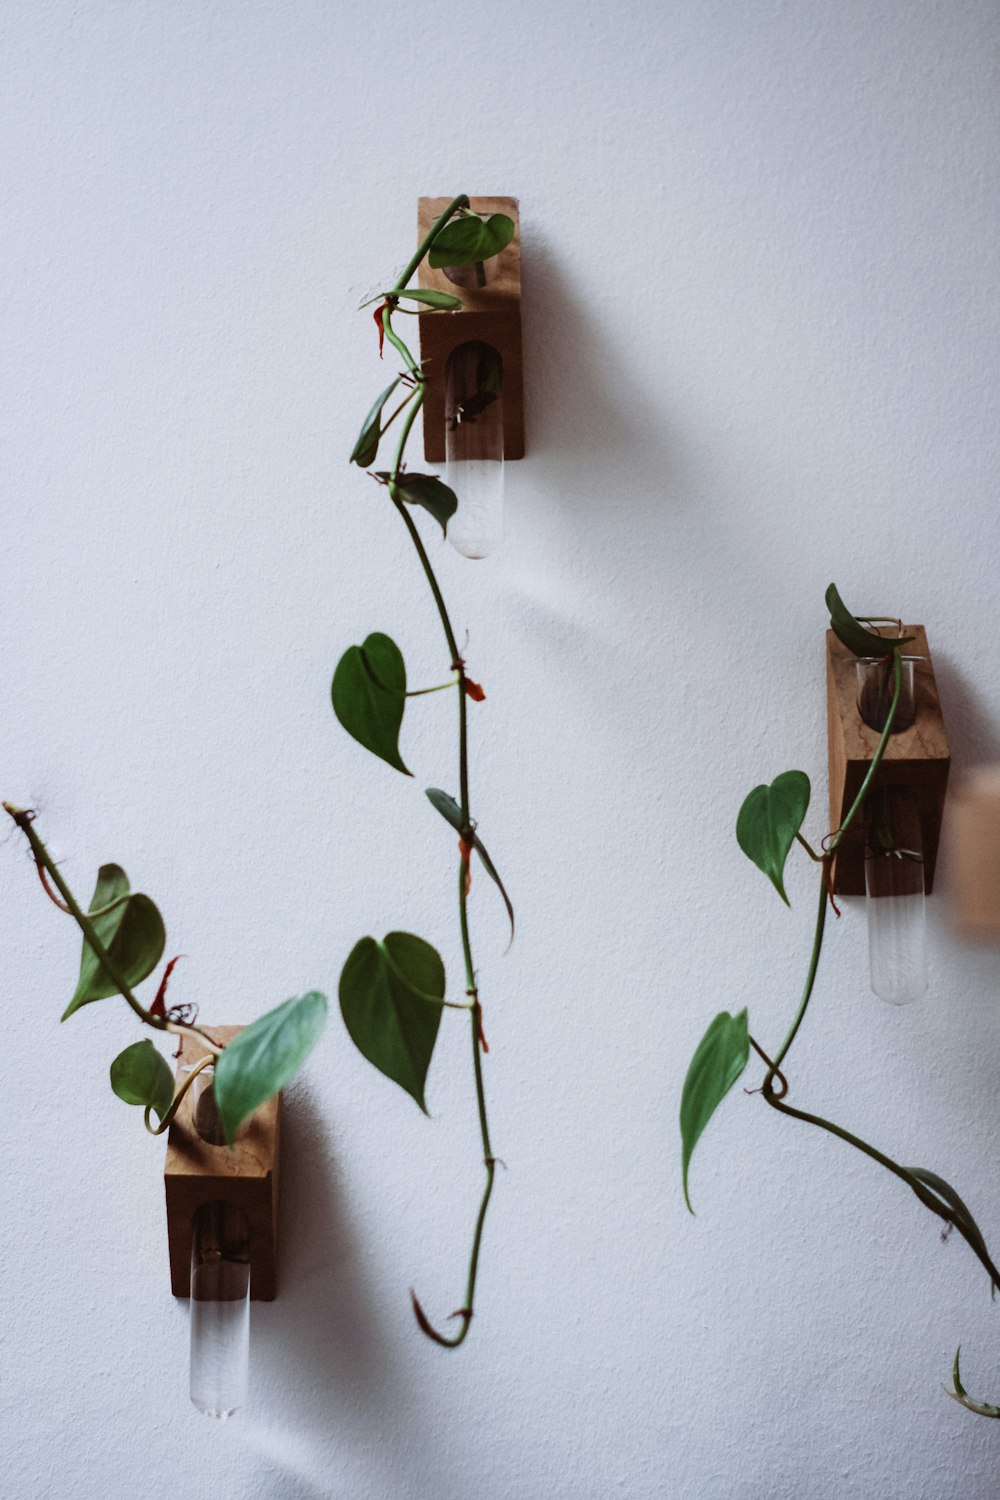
x=491, y=314
x=973, y=857
x=244, y=1174
x=918, y=758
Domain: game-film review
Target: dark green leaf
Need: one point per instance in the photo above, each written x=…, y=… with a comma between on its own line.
x=390, y=997
x=141, y=1075
x=854, y=636
x=131, y=929
x=428, y=491
x=366, y=447
x=768, y=821
x=265, y=1056
x=369, y=696
x=438, y=301
x=981, y=1408
x=957, y=1213
x=452, y=813
x=463, y=242
x=722, y=1054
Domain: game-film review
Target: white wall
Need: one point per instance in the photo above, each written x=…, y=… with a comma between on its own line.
x=761, y=320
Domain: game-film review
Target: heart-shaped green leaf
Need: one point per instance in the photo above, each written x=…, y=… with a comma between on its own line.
x=391, y=995
x=141, y=1075
x=452, y=813
x=463, y=242
x=768, y=821
x=131, y=929
x=369, y=696
x=266, y=1056
x=721, y=1056
x=854, y=636
x=426, y=490
x=436, y=301
x=366, y=447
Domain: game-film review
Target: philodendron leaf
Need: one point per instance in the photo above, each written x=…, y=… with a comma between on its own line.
x=959, y=1394
x=721, y=1056
x=141, y=1075
x=958, y=1214
x=391, y=996
x=366, y=447
x=131, y=929
x=452, y=813
x=463, y=242
x=768, y=821
x=265, y=1056
x=436, y=301
x=426, y=490
x=369, y=696
x=854, y=636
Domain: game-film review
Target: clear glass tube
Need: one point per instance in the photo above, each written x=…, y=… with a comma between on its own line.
x=876, y=685
x=894, y=880
x=474, y=447
x=220, y=1287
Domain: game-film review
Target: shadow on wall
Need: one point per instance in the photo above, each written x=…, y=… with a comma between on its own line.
x=973, y=733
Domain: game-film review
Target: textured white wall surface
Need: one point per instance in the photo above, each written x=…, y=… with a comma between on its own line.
x=761, y=351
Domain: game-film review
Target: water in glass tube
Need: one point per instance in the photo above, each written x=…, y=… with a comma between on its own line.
x=474, y=447
x=894, y=880
x=220, y=1288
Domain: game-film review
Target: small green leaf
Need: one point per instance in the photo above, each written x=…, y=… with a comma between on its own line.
x=854, y=636
x=131, y=929
x=390, y=997
x=141, y=1075
x=426, y=490
x=957, y=1213
x=959, y=1394
x=265, y=1056
x=463, y=242
x=452, y=813
x=721, y=1056
x=366, y=447
x=768, y=821
x=369, y=696
x=437, y=301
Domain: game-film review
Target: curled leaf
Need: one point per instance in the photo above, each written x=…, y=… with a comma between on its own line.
x=432, y=300
x=959, y=1394
x=854, y=635
x=427, y=490
x=365, y=450
x=452, y=813
x=719, y=1059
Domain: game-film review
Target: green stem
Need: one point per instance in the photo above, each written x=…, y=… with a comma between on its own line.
x=462, y=201
x=175, y=1103
x=876, y=760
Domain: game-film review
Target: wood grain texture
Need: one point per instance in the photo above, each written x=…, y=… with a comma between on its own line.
x=491, y=314
x=918, y=758
x=244, y=1174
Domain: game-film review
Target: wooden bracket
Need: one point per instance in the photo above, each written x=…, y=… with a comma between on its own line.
x=973, y=855
x=491, y=315
x=917, y=758
x=244, y=1174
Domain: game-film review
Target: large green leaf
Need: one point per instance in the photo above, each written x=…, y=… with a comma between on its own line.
x=131, y=929
x=854, y=636
x=721, y=1056
x=768, y=821
x=369, y=696
x=436, y=301
x=463, y=242
x=452, y=813
x=390, y=997
x=426, y=490
x=265, y=1056
x=366, y=447
x=141, y=1075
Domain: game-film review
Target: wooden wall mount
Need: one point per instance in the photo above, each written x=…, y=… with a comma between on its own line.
x=491, y=314
x=973, y=855
x=244, y=1174
x=918, y=758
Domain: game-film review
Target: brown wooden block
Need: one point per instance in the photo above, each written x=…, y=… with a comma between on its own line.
x=491, y=315
x=917, y=758
x=244, y=1174
x=973, y=856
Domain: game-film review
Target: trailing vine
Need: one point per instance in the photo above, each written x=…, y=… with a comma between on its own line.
x=392, y=993
x=768, y=824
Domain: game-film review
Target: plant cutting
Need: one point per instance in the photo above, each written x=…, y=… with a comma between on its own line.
x=393, y=992
x=124, y=939
x=769, y=823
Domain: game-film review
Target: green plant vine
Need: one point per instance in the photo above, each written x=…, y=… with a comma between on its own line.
x=769, y=823
x=392, y=992
x=123, y=941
